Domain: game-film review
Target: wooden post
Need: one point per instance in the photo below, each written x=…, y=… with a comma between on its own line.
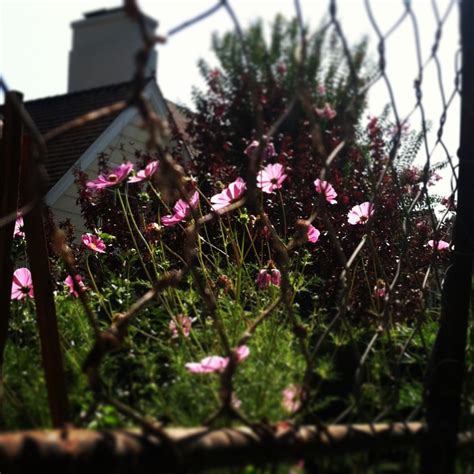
x=43, y=288
x=10, y=155
x=447, y=365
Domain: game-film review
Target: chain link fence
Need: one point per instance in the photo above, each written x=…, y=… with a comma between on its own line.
x=381, y=362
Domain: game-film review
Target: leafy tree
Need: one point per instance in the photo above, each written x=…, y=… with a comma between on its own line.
x=258, y=78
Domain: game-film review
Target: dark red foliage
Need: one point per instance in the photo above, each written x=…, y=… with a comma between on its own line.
x=358, y=175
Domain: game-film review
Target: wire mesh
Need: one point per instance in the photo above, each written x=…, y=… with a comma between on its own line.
x=365, y=332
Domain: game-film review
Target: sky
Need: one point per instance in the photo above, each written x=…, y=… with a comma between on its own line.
x=35, y=39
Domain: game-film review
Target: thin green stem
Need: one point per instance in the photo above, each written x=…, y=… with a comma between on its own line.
x=283, y=213
x=127, y=220
x=109, y=310
x=142, y=237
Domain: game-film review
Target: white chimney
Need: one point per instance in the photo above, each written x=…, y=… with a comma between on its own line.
x=103, y=49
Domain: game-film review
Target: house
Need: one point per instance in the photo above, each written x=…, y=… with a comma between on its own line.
x=101, y=65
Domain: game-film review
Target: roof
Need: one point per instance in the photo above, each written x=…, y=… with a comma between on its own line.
x=103, y=12
x=64, y=150
x=181, y=118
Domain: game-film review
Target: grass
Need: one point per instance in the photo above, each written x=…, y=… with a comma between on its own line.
x=351, y=370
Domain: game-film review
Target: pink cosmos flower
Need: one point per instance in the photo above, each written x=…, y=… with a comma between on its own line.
x=268, y=151
x=235, y=402
x=150, y=169
x=380, y=289
x=438, y=244
x=271, y=178
x=291, y=398
x=113, y=178
x=263, y=279
x=94, y=243
x=327, y=189
x=268, y=275
x=208, y=365
x=275, y=276
x=22, y=284
x=242, y=353
x=19, y=232
x=379, y=292
x=216, y=363
x=313, y=234
x=172, y=219
x=70, y=283
x=229, y=195
x=251, y=147
x=326, y=112
x=184, y=323
x=361, y=213
x=181, y=210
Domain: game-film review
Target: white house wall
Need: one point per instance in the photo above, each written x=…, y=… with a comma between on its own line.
x=120, y=140
x=122, y=148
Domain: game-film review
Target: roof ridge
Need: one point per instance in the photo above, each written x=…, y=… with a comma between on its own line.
x=85, y=91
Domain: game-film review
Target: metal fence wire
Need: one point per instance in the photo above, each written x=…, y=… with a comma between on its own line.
x=396, y=381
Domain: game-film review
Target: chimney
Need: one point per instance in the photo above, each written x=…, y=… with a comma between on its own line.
x=103, y=52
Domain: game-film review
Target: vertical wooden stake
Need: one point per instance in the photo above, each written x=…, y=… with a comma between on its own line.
x=43, y=289
x=10, y=156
